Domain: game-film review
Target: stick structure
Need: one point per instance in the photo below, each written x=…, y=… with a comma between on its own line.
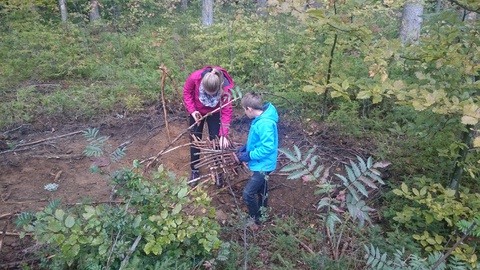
x=217, y=160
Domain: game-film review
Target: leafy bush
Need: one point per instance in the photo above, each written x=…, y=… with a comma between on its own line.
x=157, y=220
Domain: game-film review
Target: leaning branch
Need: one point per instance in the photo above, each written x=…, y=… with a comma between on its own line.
x=39, y=141
x=477, y=10
x=152, y=160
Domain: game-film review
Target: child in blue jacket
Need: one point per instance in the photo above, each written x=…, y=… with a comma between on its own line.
x=260, y=152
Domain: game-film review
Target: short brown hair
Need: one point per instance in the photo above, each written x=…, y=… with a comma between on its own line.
x=252, y=100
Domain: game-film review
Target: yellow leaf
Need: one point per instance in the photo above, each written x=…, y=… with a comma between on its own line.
x=398, y=85
x=377, y=99
x=450, y=192
x=455, y=100
x=417, y=105
x=384, y=76
x=431, y=241
x=364, y=95
x=473, y=259
x=469, y=120
x=470, y=111
x=404, y=188
x=428, y=218
x=438, y=239
x=397, y=192
x=476, y=142
x=420, y=75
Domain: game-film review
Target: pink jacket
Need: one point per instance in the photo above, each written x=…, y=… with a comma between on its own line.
x=192, y=102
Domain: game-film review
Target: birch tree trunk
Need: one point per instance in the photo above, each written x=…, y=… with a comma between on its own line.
x=411, y=23
x=261, y=5
x=63, y=9
x=94, y=14
x=207, y=12
x=184, y=4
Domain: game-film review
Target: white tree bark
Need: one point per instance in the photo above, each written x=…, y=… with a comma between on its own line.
x=411, y=23
x=261, y=5
x=63, y=9
x=207, y=12
x=94, y=14
x=184, y=4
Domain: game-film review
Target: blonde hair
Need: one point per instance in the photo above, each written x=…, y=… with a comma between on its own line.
x=252, y=100
x=213, y=81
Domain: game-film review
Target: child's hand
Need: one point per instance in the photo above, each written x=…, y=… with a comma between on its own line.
x=224, y=142
x=197, y=116
x=244, y=156
x=243, y=148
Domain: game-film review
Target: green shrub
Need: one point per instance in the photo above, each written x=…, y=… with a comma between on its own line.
x=158, y=220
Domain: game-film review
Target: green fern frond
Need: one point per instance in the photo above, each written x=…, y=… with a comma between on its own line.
x=298, y=174
x=313, y=163
x=52, y=205
x=375, y=259
x=297, y=152
x=292, y=167
x=344, y=179
x=469, y=227
x=308, y=155
x=355, y=169
x=102, y=140
x=92, y=151
x=25, y=218
x=360, y=187
x=369, y=162
x=351, y=175
x=363, y=165
x=318, y=171
x=90, y=134
x=374, y=177
x=117, y=155
x=325, y=201
x=331, y=220
x=289, y=154
x=367, y=181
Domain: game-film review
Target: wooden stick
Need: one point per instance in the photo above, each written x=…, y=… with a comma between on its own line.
x=43, y=200
x=162, y=88
x=130, y=251
x=12, y=234
x=8, y=214
x=4, y=231
x=40, y=141
x=183, y=132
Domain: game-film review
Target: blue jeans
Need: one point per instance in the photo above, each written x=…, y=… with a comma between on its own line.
x=255, y=194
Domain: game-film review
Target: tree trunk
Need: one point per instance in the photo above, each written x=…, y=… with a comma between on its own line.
x=184, y=4
x=63, y=9
x=411, y=23
x=261, y=5
x=207, y=12
x=462, y=155
x=438, y=6
x=94, y=14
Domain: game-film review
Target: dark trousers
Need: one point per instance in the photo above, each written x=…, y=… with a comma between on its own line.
x=213, y=123
x=255, y=194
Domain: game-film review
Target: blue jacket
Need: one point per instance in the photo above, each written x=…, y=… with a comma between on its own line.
x=262, y=142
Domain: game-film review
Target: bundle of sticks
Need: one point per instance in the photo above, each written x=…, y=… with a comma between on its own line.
x=218, y=160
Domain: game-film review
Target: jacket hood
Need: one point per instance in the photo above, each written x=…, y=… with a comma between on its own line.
x=269, y=112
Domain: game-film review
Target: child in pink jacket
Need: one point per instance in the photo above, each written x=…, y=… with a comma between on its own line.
x=204, y=91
